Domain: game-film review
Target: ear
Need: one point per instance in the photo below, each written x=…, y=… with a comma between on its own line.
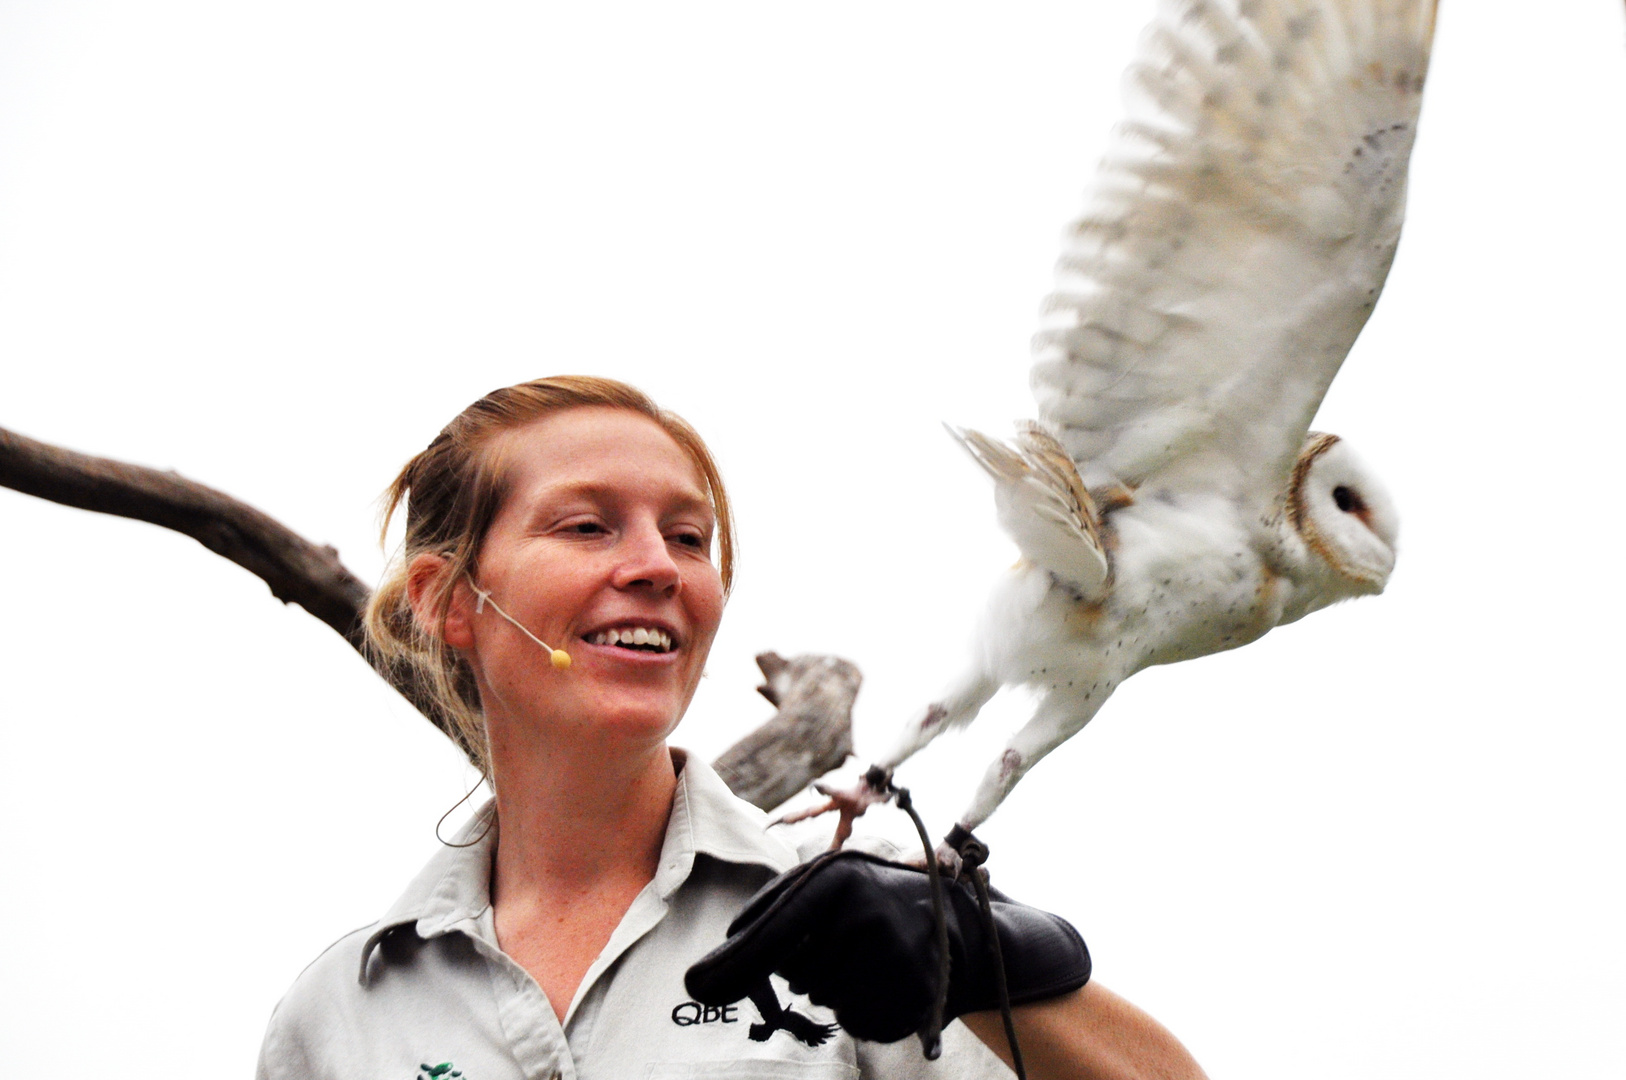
x=426, y=586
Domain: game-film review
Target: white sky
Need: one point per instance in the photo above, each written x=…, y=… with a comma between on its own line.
x=276, y=246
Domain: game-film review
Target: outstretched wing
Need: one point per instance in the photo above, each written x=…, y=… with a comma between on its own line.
x=1239, y=234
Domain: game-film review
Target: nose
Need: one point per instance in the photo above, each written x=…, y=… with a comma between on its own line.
x=646, y=562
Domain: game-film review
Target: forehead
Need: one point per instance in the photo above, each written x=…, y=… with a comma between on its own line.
x=600, y=448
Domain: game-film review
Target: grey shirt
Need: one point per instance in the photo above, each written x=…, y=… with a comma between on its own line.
x=427, y=985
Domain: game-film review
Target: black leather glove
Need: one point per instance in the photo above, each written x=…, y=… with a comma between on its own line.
x=855, y=933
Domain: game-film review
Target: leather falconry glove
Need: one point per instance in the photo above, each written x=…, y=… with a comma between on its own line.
x=855, y=933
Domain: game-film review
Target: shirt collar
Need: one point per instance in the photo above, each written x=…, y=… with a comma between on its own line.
x=454, y=889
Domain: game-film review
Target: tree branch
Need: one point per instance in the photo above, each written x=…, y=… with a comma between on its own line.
x=298, y=571
x=809, y=735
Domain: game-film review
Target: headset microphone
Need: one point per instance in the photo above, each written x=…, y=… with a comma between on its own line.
x=560, y=658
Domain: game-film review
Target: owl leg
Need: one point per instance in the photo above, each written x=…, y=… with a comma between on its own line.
x=957, y=707
x=1057, y=719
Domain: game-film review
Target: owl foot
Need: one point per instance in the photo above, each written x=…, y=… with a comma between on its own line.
x=960, y=852
x=949, y=863
x=873, y=787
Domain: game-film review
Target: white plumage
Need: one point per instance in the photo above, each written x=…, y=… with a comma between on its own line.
x=1173, y=503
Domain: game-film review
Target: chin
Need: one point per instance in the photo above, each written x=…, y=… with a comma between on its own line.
x=640, y=721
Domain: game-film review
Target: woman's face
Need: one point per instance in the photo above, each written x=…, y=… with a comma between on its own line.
x=606, y=531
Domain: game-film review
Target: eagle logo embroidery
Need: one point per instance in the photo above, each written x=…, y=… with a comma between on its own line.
x=775, y=1017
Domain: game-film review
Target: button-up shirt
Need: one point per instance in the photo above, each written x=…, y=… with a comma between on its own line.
x=426, y=993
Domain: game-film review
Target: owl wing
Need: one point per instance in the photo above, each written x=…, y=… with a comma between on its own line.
x=1042, y=504
x=1239, y=233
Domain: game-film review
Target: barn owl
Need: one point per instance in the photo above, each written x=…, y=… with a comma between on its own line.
x=1171, y=502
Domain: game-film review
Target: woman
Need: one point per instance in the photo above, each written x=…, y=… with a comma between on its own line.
x=557, y=590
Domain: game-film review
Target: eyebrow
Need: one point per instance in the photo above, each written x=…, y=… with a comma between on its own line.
x=593, y=489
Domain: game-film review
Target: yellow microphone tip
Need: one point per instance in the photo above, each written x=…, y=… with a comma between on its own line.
x=561, y=659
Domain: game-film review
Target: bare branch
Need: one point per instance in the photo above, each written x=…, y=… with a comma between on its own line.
x=298, y=571
x=809, y=735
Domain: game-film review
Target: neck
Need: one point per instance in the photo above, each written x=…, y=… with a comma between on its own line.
x=574, y=819
x=579, y=837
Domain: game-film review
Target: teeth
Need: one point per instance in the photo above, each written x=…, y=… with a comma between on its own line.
x=639, y=635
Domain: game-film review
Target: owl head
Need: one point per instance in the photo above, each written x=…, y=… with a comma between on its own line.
x=1343, y=514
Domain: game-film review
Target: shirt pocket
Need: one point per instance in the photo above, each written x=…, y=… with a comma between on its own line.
x=751, y=1069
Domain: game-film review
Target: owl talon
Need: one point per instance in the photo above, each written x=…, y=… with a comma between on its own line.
x=849, y=803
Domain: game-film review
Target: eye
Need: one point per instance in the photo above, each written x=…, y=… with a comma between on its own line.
x=690, y=540
x=585, y=528
x=1347, y=499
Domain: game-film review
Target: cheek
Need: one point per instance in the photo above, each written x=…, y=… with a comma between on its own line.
x=706, y=606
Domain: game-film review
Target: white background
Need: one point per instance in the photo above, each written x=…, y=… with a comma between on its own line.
x=276, y=246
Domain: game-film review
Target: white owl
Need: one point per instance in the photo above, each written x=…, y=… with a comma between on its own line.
x=1171, y=502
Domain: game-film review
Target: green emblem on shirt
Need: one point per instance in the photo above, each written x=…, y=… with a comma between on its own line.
x=443, y=1071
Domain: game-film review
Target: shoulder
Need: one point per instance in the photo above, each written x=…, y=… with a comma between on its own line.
x=345, y=1014
x=313, y=1005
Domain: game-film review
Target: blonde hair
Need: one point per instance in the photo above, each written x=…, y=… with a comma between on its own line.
x=452, y=491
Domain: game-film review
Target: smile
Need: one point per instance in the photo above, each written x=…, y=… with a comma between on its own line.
x=637, y=638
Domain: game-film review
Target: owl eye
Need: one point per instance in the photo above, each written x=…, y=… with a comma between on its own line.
x=1348, y=501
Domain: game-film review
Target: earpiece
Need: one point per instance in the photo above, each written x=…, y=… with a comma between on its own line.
x=559, y=657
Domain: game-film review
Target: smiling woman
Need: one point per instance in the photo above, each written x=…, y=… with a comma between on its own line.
x=604, y=543
x=454, y=489
x=574, y=511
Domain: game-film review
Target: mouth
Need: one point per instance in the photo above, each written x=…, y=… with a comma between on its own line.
x=635, y=637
